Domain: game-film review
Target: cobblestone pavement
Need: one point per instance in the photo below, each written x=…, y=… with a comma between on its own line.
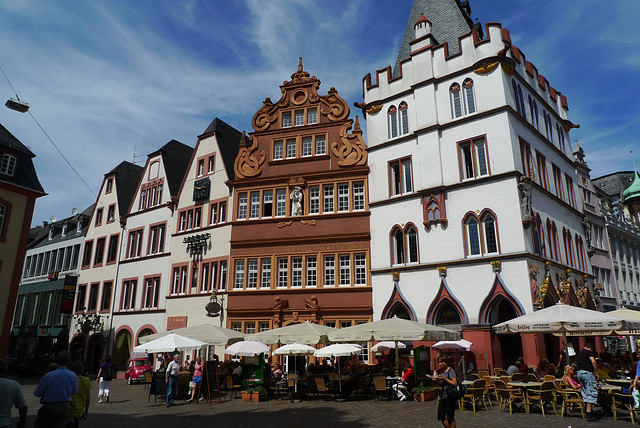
x=129, y=407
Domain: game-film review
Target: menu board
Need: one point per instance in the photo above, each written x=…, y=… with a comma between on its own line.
x=210, y=380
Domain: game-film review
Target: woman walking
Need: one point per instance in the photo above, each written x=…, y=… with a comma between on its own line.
x=197, y=379
x=104, y=377
x=447, y=405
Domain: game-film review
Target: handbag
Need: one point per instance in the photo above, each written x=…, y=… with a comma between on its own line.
x=455, y=392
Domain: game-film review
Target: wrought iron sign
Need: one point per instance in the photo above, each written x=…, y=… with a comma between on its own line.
x=196, y=243
x=86, y=323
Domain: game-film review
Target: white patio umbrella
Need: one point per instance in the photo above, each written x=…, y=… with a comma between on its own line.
x=307, y=333
x=209, y=333
x=385, y=346
x=396, y=329
x=247, y=348
x=295, y=349
x=563, y=319
x=338, y=350
x=455, y=345
x=169, y=343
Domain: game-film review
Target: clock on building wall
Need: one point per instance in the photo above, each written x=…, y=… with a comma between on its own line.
x=201, y=189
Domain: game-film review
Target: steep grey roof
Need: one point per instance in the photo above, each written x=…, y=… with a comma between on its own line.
x=449, y=18
x=127, y=175
x=175, y=157
x=40, y=234
x=615, y=183
x=228, y=140
x=25, y=175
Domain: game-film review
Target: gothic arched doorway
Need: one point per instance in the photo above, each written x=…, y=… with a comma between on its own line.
x=506, y=347
x=122, y=349
x=95, y=353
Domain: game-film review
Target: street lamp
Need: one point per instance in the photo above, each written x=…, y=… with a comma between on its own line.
x=17, y=105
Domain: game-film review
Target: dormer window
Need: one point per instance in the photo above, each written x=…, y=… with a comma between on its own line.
x=8, y=165
x=79, y=227
x=50, y=234
x=64, y=230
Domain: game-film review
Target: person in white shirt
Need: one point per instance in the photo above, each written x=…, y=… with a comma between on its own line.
x=171, y=378
x=11, y=395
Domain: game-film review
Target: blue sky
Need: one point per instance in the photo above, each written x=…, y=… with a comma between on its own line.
x=107, y=79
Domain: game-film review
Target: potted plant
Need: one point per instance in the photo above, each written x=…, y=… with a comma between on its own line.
x=425, y=391
x=246, y=394
x=258, y=393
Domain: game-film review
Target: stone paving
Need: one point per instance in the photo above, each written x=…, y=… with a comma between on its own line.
x=129, y=407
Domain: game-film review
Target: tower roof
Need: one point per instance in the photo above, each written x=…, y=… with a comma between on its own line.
x=449, y=18
x=632, y=191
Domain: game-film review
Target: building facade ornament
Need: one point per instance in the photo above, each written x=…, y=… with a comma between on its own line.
x=353, y=150
x=249, y=162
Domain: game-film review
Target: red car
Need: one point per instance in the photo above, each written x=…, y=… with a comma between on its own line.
x=136, y=369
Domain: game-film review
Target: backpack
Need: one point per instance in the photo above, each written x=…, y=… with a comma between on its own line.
x=107, y=373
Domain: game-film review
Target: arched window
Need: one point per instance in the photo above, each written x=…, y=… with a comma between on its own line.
x=470, y=99
x=448, y=315
x=398, y=246
x=560, y=136
x=490, y=238
x=405, y=245
x=533, y=117
x=456, y=102
x=537, y=121
x=411, y=236
x=392, y=113
x=473, y=236
x=404, y=118
x=523, y=112
x=514, y=91
x=538, y=238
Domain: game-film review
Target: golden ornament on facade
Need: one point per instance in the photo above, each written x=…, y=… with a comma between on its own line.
x=353, y=150
x=374, y=109
x=285, y=224
x=442, y=270
x=485, y=68
x=395, y=275
x=496, y=265
x=508, y=68
x=248, y=163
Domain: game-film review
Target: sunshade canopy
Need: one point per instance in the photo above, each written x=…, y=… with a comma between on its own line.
x=295, y=349
x=561, y=318
x=453, y=345
x=383, y=346
x=392, y=329
x=211, y=334
x=169, y=343
x=338, y=350
x=248, y=348
x=307, y=333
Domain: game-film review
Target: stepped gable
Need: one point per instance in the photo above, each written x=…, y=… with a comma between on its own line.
x=127, y=175
x=175, y=157
x=449, y=18
x=228, y=139
x=25, y=175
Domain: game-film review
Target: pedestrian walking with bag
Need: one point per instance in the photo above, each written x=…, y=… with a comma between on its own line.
x=105, y=374
x=449, y=397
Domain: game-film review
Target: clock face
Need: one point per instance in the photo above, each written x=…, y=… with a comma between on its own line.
x=201, y=189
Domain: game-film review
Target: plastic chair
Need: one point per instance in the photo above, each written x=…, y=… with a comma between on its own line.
x=621, y=401
x=543, y=396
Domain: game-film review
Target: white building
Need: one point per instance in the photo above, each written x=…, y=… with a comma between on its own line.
x=474, y=214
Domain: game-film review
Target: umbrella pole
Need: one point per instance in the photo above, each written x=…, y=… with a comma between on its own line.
x=566, y=349
x=464, y=368
x=397, y=360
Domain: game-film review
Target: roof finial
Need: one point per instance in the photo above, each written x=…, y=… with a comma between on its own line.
x=634, y=163
x=300, y=64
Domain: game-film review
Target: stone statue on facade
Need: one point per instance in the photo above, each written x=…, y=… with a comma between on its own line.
x=296, y=201
x=525, y=197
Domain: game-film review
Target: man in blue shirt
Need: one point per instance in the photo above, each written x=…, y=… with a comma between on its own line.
x=55, y=390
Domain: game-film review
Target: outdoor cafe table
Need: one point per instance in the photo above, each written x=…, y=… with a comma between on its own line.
x=525, y=385
x=619, y=382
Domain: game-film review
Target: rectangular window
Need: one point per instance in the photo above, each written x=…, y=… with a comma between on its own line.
x=97, y=261
x=312, y=271
x=345, y=270
x=81, y=297
x=278, y=150
x=291, y=149
x=267, y=203
x=249, y=327
x=473, y=158
x=296, y=271
x=281, y=203
x=111, y=213
x=200, y=167
x=312, y=116
x=223, y=212
x=135, y=243
x=343, y=197
x=151, y=293
x=360, y=261
x=238, y=282
x=107, y=288
x=223, y=275
x=401, y=176
x=327, y=206
x=345, y=324
x=98, y=216
x=314, y=199
x=93, y=297
x=86, y=259
x=255, y=205
x=265, y=277
x=286, y=120
x=48, y=306
x=252, y=274
x=20, y=311
x=61, y=257
x=321, y=145
x=299, y=117
x=197, y=218
x=205, y=278
x=307, y=146
x=358, y=196
x=542, y=170
x=109, y=185
x=211, y=164
x=527, y=161
x=213, y=214
x=242, y=206
x=264, y=326
x=283, y=272
x=183, y=222
x=236, y=326
x=112, y=251
x=329, y=270
x=156, y=239
x=129, y=295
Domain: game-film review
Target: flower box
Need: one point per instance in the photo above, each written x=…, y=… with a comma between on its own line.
x=255, y=396
x=246, y=396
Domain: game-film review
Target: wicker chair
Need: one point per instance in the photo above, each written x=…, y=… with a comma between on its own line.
x=543, y=396
x=571, y=398
x=530, y=377
x=508, y=396
x=483, y=373
x=321, y=387
x=621, y=401
x=380, y=386
x=517, y=377
x=549, y=377
x=474, y=394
